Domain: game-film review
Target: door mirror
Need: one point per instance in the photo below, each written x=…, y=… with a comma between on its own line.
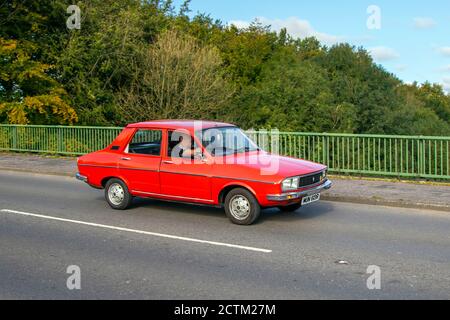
x=199, y=156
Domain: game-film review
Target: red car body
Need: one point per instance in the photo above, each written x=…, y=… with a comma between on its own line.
x=202, y=182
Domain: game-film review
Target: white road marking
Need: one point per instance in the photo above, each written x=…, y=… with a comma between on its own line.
x=161, y=235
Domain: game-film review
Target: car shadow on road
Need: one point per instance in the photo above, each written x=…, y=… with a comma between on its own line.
x=313, y=211
x=177, y=207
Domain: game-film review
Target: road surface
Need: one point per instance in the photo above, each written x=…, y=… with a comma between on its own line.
x=160, y=250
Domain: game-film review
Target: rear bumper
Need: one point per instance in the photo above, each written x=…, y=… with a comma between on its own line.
x=81, y=177
x=297, y=195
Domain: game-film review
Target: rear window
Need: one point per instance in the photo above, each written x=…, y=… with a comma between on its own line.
x=146, y=142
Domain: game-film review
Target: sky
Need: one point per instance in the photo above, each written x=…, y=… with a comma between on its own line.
x=409, y=38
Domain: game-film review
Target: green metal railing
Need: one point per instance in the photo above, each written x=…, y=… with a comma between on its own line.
x=383, y=155
x=56, y=139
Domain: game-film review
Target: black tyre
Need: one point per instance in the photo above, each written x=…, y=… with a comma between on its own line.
x=241, y=207
x=117, y=194
x=291, y=208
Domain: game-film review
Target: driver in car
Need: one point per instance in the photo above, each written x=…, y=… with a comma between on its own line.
x=184, y=147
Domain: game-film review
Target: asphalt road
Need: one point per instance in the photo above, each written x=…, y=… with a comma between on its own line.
x=159, y=250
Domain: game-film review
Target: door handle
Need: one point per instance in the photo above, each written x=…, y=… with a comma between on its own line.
x=168, y=162
x=125, y=159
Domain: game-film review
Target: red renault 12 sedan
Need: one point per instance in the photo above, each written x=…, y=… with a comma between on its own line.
x=201, y=162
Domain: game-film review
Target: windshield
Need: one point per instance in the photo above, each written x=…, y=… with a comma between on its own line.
x=226, y=141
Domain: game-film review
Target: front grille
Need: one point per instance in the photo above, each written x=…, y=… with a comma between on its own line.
x=309, y=180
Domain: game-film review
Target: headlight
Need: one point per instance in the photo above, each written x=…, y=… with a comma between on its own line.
x=290, y=184
x=324, y=175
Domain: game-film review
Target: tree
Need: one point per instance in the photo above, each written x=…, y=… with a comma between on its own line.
x=95, y=63
x=293, y=95
x=29, y=89
x=356, y=80
x=434, y=98
x=27, y=93
x=245, y=51
x=175, y=78
x=142, y=59
x=415, y=115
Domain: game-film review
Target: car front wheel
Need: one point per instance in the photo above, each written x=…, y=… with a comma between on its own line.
x=241, y=207
x=117, y=194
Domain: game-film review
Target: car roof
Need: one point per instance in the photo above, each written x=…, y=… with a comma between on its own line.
x=180, y=124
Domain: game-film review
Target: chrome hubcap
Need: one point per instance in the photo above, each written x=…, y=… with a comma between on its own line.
x=116, y=194
x=239, y=207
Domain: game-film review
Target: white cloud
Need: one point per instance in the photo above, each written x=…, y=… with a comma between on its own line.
x=362, y=39
x=445, y=51
x=240, y=23
x=446, y=84
x=383, y=53
x=445, y=69
x=296, y=27
x=424, y=23
x=401, y=67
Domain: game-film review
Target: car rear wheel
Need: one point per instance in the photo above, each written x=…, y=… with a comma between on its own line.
x=117, y=194
x=241, y=207
x=291, y=208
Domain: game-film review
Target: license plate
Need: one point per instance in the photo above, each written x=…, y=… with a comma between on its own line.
x=310, y=199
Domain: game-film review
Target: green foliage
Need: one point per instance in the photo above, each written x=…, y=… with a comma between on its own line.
x=286, y=96
x=107, y=73
x=27, y=93
x=424, y=109
x=176, y=78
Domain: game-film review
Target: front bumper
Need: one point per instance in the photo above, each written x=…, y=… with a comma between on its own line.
x=297, y=195
x=81, y=177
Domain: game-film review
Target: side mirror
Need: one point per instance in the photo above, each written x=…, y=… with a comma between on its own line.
x=199, y=156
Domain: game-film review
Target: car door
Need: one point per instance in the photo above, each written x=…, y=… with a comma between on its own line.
x=184, y=178
x=140, y=162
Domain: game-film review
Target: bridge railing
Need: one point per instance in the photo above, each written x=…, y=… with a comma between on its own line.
x=398, y=156
x=56, y=139
x=380, y=155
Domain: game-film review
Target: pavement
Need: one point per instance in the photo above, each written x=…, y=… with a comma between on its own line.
x=159, y=250
x=32, y=163
x=390, y=193
x=363, y=191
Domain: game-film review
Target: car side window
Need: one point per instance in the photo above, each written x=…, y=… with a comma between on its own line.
x=177, y=143
x=181, y=145
x=146, y=142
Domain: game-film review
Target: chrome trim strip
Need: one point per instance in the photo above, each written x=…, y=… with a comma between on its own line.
x=185, y=174
x=182, y=173
x=296, y=195
x=138, y=169
x=216, y=177
x=97, y=166
x=111, y=167
x=170, y=196
x=249, y=180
